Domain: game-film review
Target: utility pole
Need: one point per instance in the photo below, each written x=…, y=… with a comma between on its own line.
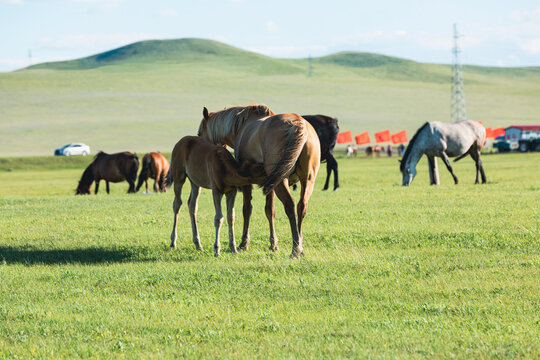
x=310, y=67
x=458, y=111
x=29, y=57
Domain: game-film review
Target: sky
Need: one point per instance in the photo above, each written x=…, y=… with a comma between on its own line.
x=495, y=33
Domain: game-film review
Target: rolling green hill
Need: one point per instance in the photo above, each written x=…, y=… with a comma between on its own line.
x=146, y=95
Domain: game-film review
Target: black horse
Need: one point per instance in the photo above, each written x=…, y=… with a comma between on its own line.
x=111, y=168
x=327, y=129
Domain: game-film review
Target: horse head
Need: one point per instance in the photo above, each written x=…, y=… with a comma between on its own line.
x=408, y=172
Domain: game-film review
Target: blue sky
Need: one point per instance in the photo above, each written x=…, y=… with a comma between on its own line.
x=496, y=33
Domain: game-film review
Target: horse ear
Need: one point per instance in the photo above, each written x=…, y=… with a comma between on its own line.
x=205, y=113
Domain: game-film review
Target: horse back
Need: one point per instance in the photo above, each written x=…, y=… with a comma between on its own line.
x=327, y=129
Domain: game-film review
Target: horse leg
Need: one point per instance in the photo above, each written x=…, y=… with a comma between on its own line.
x=108, y=189
x=218, y=219
x=176, y=208
x=229, y=198
x=270, y=212
x=246, y=212
x=475, y=154
x=305, y=194
x=156, y=181
x=282, y=192
x=448, y=166
x=433, y=170
x=192, y=203
x=335, y=168
x=97, y=186
x=328, y=173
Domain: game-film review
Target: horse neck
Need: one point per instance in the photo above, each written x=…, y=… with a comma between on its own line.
x=416, y=153
x=87, y=178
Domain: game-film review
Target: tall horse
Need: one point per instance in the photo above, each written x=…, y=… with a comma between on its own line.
x=220, y=172
x=154, y=166
x=111, y=168
x=444, y=140
x=288, y=148
x=327, y=129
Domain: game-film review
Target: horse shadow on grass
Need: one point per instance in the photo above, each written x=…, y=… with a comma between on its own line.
x=32, y=256
x=93, y=255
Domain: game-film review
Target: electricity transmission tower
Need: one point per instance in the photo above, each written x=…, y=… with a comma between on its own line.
x=310, y=67
x=458, y=111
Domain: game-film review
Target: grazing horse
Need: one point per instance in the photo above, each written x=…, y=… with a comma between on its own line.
x=444, y=140
x=327, y=129
x=212, y=167
x=111, y=168
x=155, y=166
x=288, y=148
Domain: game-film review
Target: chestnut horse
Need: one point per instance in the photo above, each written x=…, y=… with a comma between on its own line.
x=155, y=166
x=111, y=168
x=288, y=148
x=211, y=167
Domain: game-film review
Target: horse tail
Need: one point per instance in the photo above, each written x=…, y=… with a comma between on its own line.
x=169, y=179
x=461, y=156
x=134, y=167
x=146, y=160
x=291, y=148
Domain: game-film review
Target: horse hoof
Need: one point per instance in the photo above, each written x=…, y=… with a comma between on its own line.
x=337, y=187
x=273, y=247
x=296, y=253
x=216, y=253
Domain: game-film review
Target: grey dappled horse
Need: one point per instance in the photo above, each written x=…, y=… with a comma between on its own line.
x=444, y=140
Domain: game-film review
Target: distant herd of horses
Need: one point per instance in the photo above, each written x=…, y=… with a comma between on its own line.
x=272, y=151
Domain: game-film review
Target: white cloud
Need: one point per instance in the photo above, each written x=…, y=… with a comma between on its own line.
x=531, y=46
x=271, y=26
x=169, y=12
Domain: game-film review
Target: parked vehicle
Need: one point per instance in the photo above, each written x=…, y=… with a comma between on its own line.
x=524, y=137
x=501, y=144
x=73, y=149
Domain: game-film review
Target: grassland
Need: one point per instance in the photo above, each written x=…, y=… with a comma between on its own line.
x=389, y=272
x=147, y=95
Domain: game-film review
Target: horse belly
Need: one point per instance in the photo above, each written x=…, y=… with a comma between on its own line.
x=200, y=178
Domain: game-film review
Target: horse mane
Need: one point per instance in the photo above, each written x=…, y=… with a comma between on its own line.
x=223, y=122
x=409, y=147
x=100, y=154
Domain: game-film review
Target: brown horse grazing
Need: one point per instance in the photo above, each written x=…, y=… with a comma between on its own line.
x=111, y=168
x=212, y=167
x=288, y=148
x=155, y=166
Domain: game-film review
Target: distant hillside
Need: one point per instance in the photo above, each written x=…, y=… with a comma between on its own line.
x=167, y=51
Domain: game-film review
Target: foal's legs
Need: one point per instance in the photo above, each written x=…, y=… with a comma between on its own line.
x=230, y=196
x=176, y=208
x=270, y=212
x=97, y=186
x=335, y=168
x=282, y=192
x=246, y=212
x=218, y=219
x=192, y=203
x=448, y=166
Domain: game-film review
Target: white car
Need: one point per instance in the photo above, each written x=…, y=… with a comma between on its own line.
x=73, y=149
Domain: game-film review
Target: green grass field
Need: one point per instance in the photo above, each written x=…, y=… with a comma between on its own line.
x=144, y=97
x=389, y=272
